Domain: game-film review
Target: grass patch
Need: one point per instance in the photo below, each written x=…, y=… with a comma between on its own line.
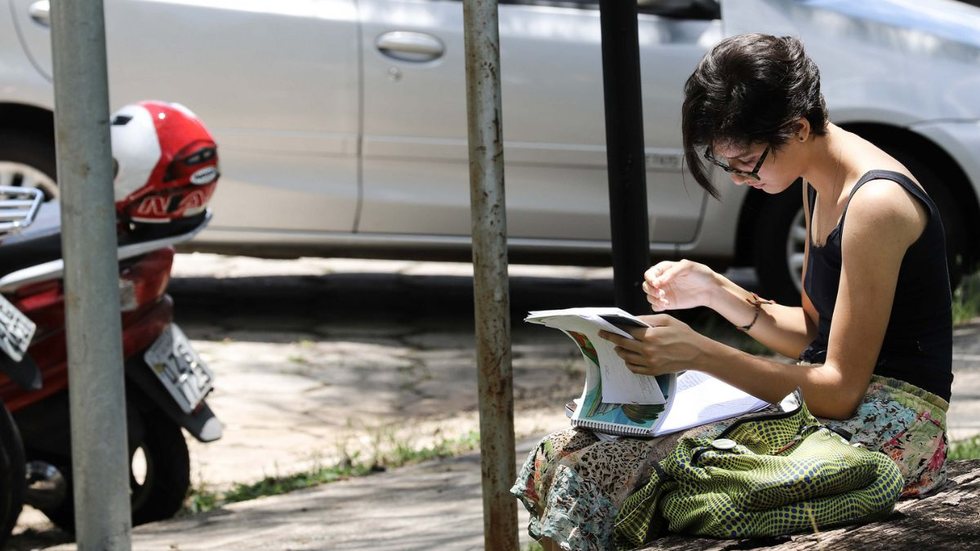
x=965, y=449
x=202, y=499
x=966, y=300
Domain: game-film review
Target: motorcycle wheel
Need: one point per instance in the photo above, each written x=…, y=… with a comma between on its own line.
x=12, y=476
x=167, y=475
x=161, y=479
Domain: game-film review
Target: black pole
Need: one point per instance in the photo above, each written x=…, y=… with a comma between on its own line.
x=624, y=152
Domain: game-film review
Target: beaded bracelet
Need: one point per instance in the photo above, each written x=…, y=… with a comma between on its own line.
x=757, y=303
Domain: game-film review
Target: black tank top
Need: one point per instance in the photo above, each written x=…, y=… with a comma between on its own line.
x=918, y=344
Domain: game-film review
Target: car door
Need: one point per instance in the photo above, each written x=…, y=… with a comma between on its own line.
x=274, y=80
x=415, y=173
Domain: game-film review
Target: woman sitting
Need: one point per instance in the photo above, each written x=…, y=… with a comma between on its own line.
x=873, y=336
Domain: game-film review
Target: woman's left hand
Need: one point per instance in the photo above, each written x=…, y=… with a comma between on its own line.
x=667, y=346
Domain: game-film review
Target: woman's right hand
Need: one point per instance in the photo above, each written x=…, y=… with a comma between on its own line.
x=678, y=285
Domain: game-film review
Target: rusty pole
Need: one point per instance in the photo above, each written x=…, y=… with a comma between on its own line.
x=490, y=284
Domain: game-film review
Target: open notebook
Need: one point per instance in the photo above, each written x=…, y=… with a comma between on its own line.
x=619, y=402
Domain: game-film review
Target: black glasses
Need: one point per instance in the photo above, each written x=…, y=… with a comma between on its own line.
x=755, y=171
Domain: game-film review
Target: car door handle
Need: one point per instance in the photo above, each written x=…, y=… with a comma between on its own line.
x=40, y=12
x=410, y=46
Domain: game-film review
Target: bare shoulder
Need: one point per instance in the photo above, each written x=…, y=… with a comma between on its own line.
x=883, y=207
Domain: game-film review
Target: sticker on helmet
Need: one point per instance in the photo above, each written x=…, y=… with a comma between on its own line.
x=161, y=208
x=154, y=206
x=194, y=202
x=204, y=176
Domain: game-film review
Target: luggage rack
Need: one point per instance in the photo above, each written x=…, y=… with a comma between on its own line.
x=18, y=207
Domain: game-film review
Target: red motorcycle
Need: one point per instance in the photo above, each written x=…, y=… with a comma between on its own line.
x=166, y=171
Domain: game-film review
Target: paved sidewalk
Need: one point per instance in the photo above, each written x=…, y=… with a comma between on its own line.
x=436, y=505
x=317, y=360
x=432, y=506
x=333, y=377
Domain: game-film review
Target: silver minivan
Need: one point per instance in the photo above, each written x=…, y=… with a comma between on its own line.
x=342, y=123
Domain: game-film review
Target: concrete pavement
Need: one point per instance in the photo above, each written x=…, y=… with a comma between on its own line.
x=320, y=360
x=366, y=361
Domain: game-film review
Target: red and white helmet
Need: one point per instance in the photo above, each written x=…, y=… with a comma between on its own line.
x=166, y=162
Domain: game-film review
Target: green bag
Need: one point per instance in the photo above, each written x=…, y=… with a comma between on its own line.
x=765, y=475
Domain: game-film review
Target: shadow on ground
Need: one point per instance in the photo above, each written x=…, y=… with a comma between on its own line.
x=363, y=298
x=366, y=297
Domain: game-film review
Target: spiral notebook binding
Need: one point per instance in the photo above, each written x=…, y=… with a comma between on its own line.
x=611, y=428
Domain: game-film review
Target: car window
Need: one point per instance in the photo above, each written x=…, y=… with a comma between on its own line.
x=677, y=9
x=682, y=9
x=584, y=4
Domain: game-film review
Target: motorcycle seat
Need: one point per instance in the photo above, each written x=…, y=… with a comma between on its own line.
x=36, y=244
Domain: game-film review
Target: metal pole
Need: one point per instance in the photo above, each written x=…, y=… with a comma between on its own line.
x=490, y=283
x=625, y=152
x=95, y=377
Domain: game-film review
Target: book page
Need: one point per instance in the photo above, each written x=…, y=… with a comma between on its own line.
x=636, y=419
x=619, y=385
x=703, y=399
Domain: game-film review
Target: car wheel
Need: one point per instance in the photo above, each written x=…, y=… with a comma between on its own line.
x=958, y=254
x=28, y=161
x=12, y=474
x=780, y=234
x=159, y=474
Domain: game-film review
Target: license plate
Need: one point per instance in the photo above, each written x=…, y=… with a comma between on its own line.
x=182, y=372
x=16, y=330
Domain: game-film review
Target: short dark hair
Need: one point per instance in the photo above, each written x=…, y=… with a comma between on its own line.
x=749, y=88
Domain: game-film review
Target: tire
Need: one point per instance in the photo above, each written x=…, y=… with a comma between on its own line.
x=12, y=475
x=958, y=251
x=780, y=233
x=157, y=495
x=168, y=471
x=28, y=160
x=779, y=237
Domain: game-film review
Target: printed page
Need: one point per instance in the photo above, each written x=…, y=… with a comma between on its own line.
x=619, y=384
x=703, y=399
x=635, y=419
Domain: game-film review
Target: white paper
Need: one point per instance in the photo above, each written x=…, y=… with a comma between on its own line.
x=703, y=399
x=619, y=384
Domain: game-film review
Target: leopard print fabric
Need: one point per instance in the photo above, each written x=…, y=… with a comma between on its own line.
x=573, y=483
